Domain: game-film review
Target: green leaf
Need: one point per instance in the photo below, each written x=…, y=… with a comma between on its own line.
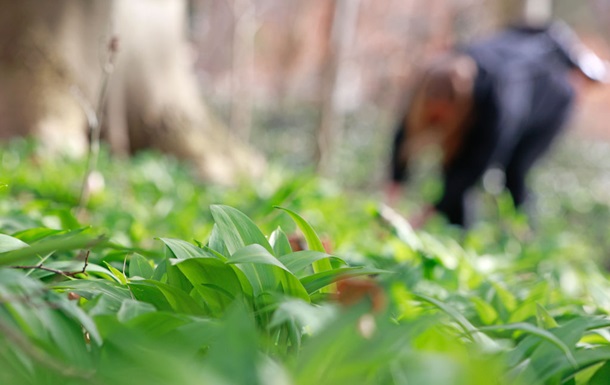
x=131, y=309
x=297, y=262
x=216, y=243
x=308, y=316
x=255, y=254
x=160, y=273
x=553, y=366
x=158, y=323
x=36, y=234
x=66, y=242
x=539, y=332
x=113, y=293
x=234, y=352
x=543, y=362
x=314, y=243
x=266, y=273
x=76, y=313
x=544, y=319
x=506, y=297
x=318, y=281
x=486, y=312
x=8, y=243
x=236, y=229
x=468, y=327
x=584, y=376
x=280, y=243
x=67, y=336
x=165, y=297
x=602, y=375
x=183, y=250
x=217, y=283
x=116, y=273
x=140, y=267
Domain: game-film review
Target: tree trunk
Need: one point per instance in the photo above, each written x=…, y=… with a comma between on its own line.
x=340, y=28
x=244, y=31
x=51, y=57
x=49, y=67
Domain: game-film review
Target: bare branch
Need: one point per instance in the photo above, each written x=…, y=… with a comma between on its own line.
x=71, y=274
x=94, y=121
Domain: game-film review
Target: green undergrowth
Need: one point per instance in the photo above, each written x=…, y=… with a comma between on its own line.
x=165, y=280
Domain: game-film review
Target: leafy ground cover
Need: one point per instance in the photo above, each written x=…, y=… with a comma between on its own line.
x=163, y=280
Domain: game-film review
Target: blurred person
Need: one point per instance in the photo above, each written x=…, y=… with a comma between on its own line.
x=498, y=102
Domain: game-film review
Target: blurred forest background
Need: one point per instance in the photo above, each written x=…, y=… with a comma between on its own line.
x=313, y=84
x=341, y=70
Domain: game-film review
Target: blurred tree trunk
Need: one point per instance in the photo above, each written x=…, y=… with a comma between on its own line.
x=51, y=57
x=244, y=31
x=49, y=63
x=339, y=25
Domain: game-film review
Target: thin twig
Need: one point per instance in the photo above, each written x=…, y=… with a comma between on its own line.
x=72, y=274
x=94, y=121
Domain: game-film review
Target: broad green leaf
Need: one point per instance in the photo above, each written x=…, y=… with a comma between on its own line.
x=15, y=284
x=266, y=273
x=76, y=313
x=160, y=273
x=468, y=327
x=280, y=243
x=116, y=273
x=555, y=366
x=584, y=376
x=255, y=254
x=234, y=352
x=314, y=243
x=506, y=297
x=165, y=297
x=8, y=243
x=67, y=336
x=236, y=229
x=183, y=250
x=36, y=234
x=216, y=243
x=217, y=283
x=539, y=332
x=175, y=278
x=216, y=254
x=296, y=262
x=486, y=312
x=140, y=267
x=113, y=293
x=545, y=363
x=309, y=317
x=602, y=375
x=65, y=242
x=544, y=319
x=318, y=281
x=158, y=323
x=131, y=309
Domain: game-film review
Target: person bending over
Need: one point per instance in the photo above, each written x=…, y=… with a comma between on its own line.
x=498, y=102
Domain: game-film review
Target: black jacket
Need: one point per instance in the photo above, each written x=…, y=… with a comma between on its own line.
x=521, y=89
